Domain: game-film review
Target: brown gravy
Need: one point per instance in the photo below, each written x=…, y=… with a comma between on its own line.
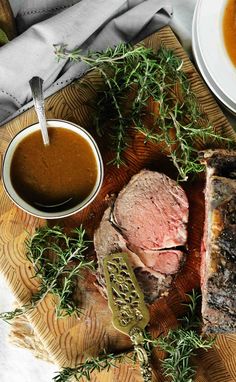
x=50, y=175
x=229, y=29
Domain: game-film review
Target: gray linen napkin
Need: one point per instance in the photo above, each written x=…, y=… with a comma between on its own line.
x=88, y=24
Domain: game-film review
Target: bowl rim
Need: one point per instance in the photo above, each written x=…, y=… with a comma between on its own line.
x=64, y=213
x=209, y=32
x=222, y=97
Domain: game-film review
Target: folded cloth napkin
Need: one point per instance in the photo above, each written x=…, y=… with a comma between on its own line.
x=86, y=24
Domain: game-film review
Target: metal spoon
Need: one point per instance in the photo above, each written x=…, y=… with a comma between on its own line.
x=36, y=84
x=53, y=205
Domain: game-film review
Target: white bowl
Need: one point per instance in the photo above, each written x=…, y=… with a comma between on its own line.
x=227, y=102
x=52, y=123
x=208, y=26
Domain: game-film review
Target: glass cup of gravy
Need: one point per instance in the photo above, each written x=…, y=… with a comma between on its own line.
x=57, y=180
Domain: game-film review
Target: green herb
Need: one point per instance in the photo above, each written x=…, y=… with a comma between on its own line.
x=191, y=320
x=8, y=316
x=133, y=76
x=179, y=344
x=3, y=37
x=103, y=362
x=58, y=261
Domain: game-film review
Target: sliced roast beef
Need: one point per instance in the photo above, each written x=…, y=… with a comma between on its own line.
x=152, y=211
x=148, y=221
x=107, y=240
x=218, y=268
x=166, y=261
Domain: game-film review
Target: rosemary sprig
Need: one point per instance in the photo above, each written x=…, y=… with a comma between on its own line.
x=58, y=261
x=8, y=316
x=133, y=76
x=103, y=362
x=179, y=344
x=191, y=320
x=3, y=37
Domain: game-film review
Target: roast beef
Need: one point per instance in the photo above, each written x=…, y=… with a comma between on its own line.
x=218, y=267
x=152, y=211
x=149, y=222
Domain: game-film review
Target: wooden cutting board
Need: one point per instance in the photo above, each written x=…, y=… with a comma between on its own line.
x=70, y=340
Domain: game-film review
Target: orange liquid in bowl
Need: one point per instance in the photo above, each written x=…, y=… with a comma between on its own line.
x=229, y=29
x=50, y=175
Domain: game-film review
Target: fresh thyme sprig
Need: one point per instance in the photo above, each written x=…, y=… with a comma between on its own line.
x=103, y=362
x=58, y=260
x=135, y=75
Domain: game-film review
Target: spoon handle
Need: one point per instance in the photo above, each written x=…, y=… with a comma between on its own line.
x=36, y=84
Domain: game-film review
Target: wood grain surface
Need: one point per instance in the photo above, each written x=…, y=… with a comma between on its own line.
x=69, y=341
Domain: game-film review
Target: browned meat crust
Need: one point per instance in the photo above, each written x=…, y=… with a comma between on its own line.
x=218, y=268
